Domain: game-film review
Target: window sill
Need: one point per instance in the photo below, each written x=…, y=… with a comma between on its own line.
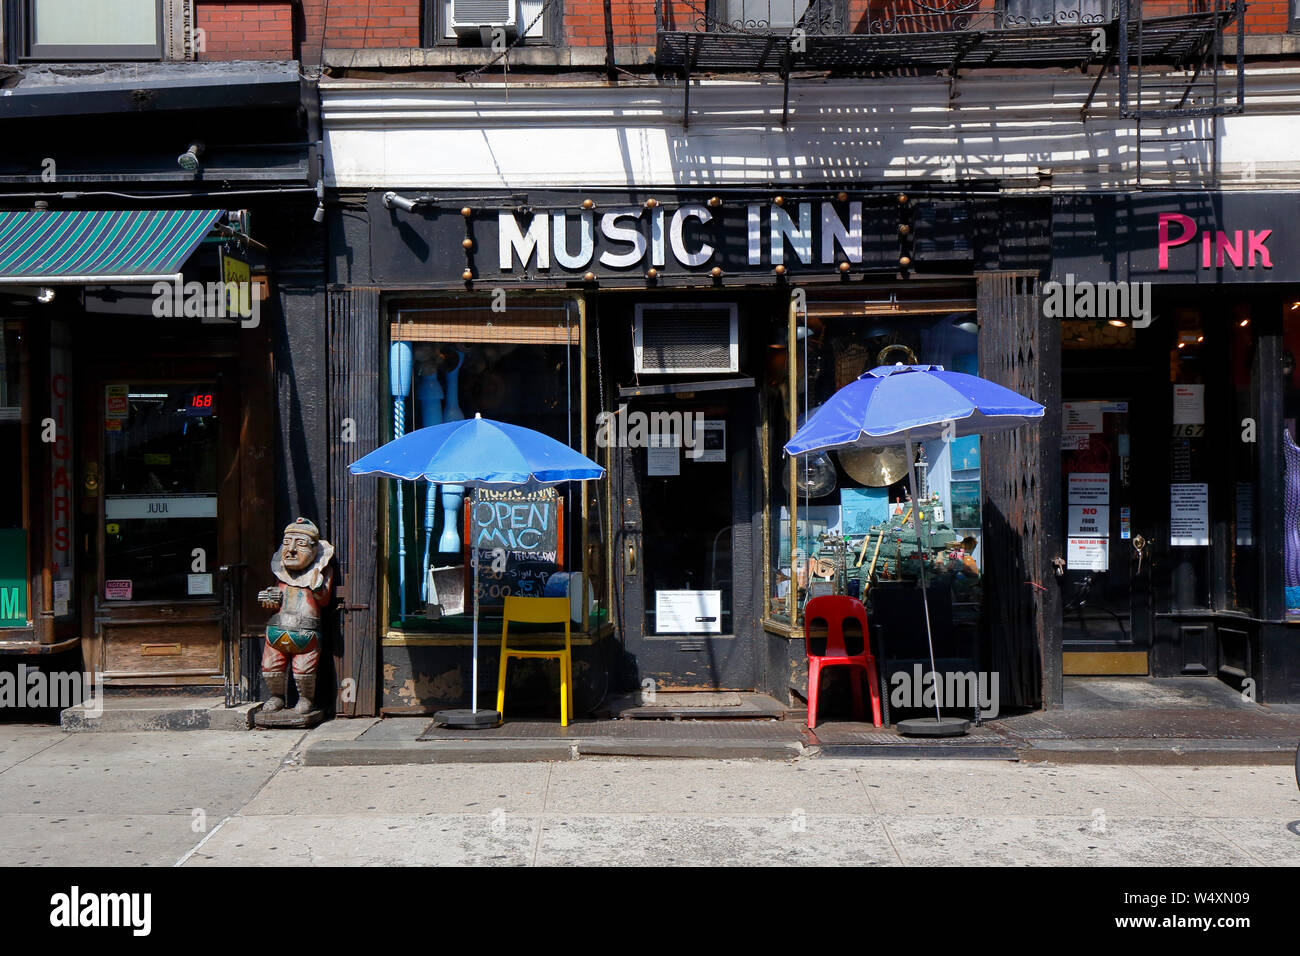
x=453, y=57
x=395, y=637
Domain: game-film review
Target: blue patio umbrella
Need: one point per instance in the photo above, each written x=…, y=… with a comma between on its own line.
x=903, y=404
x=479, y=453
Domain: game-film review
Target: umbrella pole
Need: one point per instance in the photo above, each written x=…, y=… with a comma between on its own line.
x=921, y=557
x=473, y=552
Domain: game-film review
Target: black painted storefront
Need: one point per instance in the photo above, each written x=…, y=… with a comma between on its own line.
x=448, y=254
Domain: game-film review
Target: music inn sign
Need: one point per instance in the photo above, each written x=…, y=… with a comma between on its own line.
x=557, y=238
x=647, y=236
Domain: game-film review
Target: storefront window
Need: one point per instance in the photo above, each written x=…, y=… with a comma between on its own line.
x=13, y=534
x=853, y=527
x=523, y=367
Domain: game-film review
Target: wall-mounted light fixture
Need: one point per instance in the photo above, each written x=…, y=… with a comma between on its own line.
x=189, y=160
x=393, y=201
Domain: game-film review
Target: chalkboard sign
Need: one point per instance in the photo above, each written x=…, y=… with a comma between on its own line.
x=519, y=534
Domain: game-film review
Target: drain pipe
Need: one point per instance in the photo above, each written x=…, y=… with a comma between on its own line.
x=611, y=71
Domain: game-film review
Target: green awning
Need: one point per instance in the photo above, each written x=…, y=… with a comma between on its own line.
x=48, y=247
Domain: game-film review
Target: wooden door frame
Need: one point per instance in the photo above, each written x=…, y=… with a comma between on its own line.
x=225, y=372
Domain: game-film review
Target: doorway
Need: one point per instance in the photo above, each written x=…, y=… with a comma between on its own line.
x=1111, y=515
x=686, y=601
x=161, y=482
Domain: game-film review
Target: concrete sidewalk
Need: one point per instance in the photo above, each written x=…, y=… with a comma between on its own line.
x=226, y=798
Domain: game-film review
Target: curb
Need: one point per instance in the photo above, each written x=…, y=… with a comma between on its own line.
x=339, y=753
x=1163, y=751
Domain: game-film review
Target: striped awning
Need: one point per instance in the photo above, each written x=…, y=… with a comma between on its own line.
x=49, y=247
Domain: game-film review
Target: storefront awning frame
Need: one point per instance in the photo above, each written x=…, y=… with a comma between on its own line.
x=44, y=247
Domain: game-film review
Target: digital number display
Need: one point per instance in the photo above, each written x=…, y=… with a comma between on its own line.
x=201, y=404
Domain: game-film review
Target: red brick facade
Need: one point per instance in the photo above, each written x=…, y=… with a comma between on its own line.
x=252, y=30
x=265, y=30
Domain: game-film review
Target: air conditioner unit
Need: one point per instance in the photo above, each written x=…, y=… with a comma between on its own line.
x=671, y=338
x=480, y=17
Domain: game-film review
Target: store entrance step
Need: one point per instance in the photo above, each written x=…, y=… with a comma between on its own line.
x=171, y=711
x=698, y=705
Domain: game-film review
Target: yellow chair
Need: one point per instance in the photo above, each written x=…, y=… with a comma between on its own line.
x=528, y=610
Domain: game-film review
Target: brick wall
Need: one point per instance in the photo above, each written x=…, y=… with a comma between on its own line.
x=634, y=22
x=264, y=30
x=252, y=30
x=243, y=31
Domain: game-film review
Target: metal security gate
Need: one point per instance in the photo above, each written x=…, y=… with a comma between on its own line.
x=354, y=384
x=1020, y=349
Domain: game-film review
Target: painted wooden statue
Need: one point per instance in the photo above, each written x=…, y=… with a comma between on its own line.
x=300, y=599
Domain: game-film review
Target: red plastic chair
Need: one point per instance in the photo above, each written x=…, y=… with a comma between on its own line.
x=833, y=611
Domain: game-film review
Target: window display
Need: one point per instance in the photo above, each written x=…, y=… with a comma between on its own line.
x=451, y=363
x=854, y=513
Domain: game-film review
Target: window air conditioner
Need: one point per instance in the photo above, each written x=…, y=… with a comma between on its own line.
x=477, y=18
x=670, y=338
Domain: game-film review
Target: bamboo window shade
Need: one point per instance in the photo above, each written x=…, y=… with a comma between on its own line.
x=535, y=323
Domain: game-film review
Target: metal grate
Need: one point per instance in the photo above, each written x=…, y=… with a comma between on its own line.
x=673, y=338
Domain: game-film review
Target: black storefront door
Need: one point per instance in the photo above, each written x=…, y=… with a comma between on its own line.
x=686, y=555
x=1112, y=519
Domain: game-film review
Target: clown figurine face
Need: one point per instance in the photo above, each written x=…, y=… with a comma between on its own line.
x=297, y=550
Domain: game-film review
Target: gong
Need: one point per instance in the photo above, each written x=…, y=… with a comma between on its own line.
x=874, y=467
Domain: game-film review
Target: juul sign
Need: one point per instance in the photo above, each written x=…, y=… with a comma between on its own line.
x=1218, y=248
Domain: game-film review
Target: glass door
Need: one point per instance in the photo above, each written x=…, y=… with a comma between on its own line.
x=166, y=451
x=687, y=559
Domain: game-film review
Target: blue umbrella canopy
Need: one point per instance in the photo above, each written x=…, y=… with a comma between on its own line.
x=480, y=453
x=894, y=403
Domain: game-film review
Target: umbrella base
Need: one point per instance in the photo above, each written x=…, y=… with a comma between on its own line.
x=934, y=727
x=468, y=719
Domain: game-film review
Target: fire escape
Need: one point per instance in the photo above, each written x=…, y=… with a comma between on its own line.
x=1174, y=80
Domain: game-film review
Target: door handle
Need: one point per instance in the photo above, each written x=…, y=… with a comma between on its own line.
x=1140, y=547
x=629, y=558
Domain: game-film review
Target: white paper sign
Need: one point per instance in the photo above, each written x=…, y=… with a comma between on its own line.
x=1189, y=515
x=1090, y=521
x=62, y=596
x=199, y=584
x=663, y=462
x=688, y=612
x=1189, y=404
x=1088, y=488
x=1082, y=417
x=1087, y=554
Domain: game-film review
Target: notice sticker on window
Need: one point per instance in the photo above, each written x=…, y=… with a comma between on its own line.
x=62, y=596
x=1189, y=515
x=198, y=584
x=1086, y=554
x=116, y=402
x=117, y=590
x=1088, y=488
